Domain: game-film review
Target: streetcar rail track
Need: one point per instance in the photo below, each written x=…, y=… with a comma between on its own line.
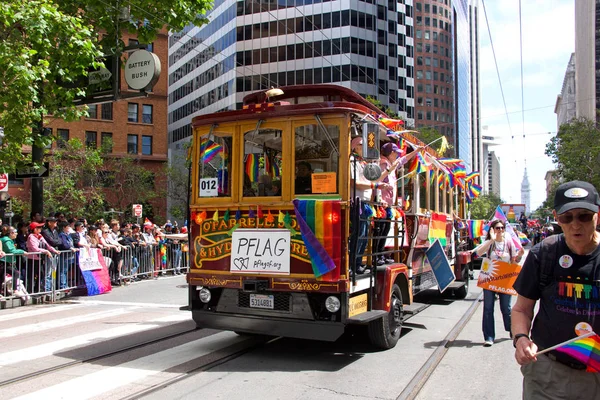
x=59, y=367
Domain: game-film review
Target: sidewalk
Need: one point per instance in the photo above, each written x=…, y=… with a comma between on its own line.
x=471, y=371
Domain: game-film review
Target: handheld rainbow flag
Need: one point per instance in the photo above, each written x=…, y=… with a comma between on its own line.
x=251, y=167
x=475, y=228
x=584, y=348
x=390, y=123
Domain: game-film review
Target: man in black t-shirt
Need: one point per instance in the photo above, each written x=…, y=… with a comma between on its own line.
x=563, y=274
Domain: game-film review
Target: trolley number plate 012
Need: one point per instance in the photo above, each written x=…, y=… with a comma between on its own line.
x=262, y=301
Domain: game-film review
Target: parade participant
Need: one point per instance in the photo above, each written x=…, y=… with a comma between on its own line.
x=496, y=247
x=550, y=272
x=391, y=159
x=303, y=184
x=362, y=189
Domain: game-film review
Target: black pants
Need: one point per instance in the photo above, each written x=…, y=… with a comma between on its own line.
x=381, y=228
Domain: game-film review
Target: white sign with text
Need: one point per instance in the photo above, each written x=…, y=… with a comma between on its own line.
x=260, y=251
x=209, y=187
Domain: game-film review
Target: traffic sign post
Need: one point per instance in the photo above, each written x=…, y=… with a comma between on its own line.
x=137, y=211
x=3, y=182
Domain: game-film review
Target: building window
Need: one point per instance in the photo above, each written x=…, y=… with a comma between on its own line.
x=147, y=114
x=107, y=142
x=62, y=138
x=132, y=144
x=107, y=111
x=93, y=111
x=91, y=139
x=146, y=145
x=132, y=112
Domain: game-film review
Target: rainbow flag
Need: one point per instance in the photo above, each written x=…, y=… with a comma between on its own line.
x=251, y=167
x=473, y=190
x=523, y=238
x=321, y=230
x=475, y=228
x=585, y=349
x=97, y=280
x=211, y=151
x=472, y=175
x=390, y=123
x=437, y=228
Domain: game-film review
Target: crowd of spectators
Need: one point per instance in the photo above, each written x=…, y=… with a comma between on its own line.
x=123, y=246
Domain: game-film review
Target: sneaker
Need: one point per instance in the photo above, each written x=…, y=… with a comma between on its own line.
x=380, y=261
x=488, y=343
x=361, y=269
x=389, y=261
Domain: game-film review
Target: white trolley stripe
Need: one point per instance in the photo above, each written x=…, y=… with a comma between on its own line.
x=38, y=311
x=59, y=323
x=96, y=383
x=47, y=349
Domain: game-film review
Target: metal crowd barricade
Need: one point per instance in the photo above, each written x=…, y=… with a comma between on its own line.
x=50, y=278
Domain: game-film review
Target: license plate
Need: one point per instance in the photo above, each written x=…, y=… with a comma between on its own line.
x=262, y=301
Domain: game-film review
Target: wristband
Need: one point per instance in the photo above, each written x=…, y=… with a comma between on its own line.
x=519, y=336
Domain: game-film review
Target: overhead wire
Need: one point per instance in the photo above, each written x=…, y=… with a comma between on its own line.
x=522, y=89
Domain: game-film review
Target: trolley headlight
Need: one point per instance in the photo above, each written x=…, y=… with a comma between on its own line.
x=332, y=304
x=204, y=295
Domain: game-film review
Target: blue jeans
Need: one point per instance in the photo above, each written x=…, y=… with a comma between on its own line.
x=177, y=259
x=363, y=229
x=489, y=297
x=65, y=263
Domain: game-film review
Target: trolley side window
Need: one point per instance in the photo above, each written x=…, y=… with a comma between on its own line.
x=214, y=166
x=263, y=162
x=317, y=159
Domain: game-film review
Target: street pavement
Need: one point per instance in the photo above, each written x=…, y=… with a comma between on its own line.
x=42, y=336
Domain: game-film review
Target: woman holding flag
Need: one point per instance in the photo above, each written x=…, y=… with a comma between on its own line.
x=496, y=247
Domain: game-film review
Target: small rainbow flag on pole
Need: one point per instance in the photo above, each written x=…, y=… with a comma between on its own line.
x=584, y=348
x=475, y=228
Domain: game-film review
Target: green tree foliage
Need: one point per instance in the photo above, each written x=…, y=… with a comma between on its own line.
x=576, y=151
x=45, y=41
x=39, y=43
x=74, y=185
x=484, y=206
x=377, y=103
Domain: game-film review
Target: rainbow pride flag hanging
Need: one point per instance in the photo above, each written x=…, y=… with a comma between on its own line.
x=472, y=176
x=251, y=167
x=437, y=228
x=585, y=349
x=475, y=228
x=210, y=152
x=320, y=227
x=96, y=278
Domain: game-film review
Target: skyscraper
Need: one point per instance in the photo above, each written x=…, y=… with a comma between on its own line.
x=251, y=45
x=447, y=74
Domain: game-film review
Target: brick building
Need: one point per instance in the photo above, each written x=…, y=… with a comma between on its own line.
x=137, y=128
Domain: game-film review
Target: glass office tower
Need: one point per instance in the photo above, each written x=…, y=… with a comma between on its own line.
x=251, y=45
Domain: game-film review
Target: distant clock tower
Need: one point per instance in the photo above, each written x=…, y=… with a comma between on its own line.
x=526, y=193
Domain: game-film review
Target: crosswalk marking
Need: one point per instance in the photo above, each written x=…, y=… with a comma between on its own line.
x=47, y=349
x=59, y=323
x=41, y=310
x=125, y=303
x=96, y=383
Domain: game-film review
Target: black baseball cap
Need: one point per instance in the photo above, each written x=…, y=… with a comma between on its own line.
x=576, y=194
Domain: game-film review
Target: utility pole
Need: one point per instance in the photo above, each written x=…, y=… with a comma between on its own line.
x=37, y=157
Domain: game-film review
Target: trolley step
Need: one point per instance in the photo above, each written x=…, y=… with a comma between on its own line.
x=366, y=317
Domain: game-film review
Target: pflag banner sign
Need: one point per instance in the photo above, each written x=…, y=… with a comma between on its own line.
x=498, y=276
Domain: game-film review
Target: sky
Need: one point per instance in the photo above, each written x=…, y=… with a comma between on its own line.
x=548, y=40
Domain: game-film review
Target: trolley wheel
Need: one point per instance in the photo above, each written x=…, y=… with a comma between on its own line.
x=385, y=332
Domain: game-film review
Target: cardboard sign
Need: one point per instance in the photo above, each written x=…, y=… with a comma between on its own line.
x=444, y=275
x=498, y=276
x=88, y=260
x=323, y=182
x=260, y=251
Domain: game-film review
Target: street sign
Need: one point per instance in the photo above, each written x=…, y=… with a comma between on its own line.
x=142, y=70
x=137, y=210
x=9, y=214
x=99, y=76
x=29, y=171
x=3, y=182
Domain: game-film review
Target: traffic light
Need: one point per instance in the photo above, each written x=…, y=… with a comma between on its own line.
x=8, y=204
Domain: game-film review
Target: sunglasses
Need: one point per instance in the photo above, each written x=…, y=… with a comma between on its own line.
x=498, y=228
x=568, y=218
